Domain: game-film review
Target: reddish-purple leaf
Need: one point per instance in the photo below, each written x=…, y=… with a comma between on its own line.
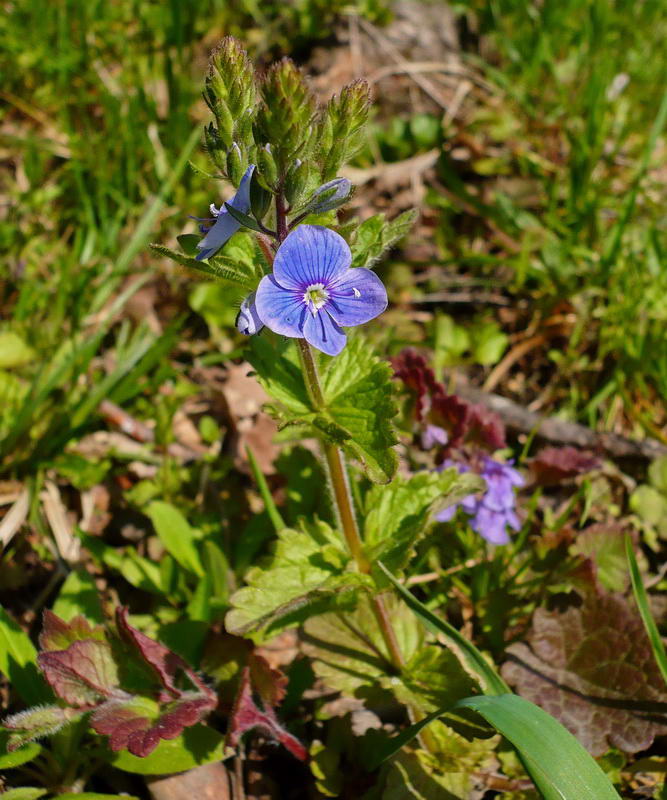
x=82, y=674
x=159, y=658
x=593, y=669
x=270, y=684
x=58, y=635
x=246, y=716
x=463, y=422
x=554, y=464
x=131, y=723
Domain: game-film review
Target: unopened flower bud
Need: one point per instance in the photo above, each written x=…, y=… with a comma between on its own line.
x=329, y=195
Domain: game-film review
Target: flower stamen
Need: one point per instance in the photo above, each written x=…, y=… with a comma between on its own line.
x=315, y=297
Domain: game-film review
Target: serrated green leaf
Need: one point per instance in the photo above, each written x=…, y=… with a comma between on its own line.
x=359, y=407
x=398, y=514
x=176, y=535
x=375, y=236
x=358, y=399
x=195, y=746
x=218, y=267
x=300, y=573
x=279, y=372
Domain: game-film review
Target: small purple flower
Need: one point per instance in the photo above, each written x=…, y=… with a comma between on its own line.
x=247, y=320
x=434, y=435
x=313, y=291
x=225, y=226
x=493, y=510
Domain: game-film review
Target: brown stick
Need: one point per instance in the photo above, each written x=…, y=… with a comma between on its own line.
x=558, y=431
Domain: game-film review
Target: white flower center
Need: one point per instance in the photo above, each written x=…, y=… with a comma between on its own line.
x=315, y=297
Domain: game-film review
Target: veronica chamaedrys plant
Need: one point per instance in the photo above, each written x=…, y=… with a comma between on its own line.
x=313, y=292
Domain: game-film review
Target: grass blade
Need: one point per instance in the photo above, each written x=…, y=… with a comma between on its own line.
x=641, y=599
x=490, y=680
x=265, y=492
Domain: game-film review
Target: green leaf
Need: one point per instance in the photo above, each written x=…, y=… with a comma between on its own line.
x=219, y=267
x=358, y=400
x=18, y=662
x=470, y=656
x=21, y=756
x=245, y=219
x=94, y=796
x=276, y=361
x=348, y=651
x=307, y=567
x=359, y=406
x=641, y=598
x=79, y=595
x=559, y=766
x=14, y=352
x=651, y=506
x=267, y=497
x=195, y=746
x=375, y=236
x=176, y=535
x=398, y=514
x=23, y=793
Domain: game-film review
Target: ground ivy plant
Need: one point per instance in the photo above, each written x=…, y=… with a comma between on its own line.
x=304, y=297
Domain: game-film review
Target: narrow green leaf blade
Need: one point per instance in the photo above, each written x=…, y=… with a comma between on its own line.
x=641, y=599
x=176, y=535
x=18, y=659
x=490, y=680
x=559, y=766
x=267, y=497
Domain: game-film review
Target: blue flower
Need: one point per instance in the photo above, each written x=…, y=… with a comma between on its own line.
x=493, y=510
x=225, y=226
x=247, y=320
x=313, y=291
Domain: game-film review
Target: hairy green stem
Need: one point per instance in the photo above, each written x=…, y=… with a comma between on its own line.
x=345, y=507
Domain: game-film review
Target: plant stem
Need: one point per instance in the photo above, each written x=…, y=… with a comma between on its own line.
x=344, y=505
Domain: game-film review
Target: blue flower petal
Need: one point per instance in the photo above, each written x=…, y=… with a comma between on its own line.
x=281, y=310
x=311, y=254
x=322, y=332
x=225, y=225
x=357, y=297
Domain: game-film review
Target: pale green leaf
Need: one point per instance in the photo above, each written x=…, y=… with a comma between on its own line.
x=24, y=754
x=307, y=567
x=79, y=595
x=176, y=535
x=375, y=236
x=14, y=352
x=398, y=514
x=218, y=268
x=23, y=793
